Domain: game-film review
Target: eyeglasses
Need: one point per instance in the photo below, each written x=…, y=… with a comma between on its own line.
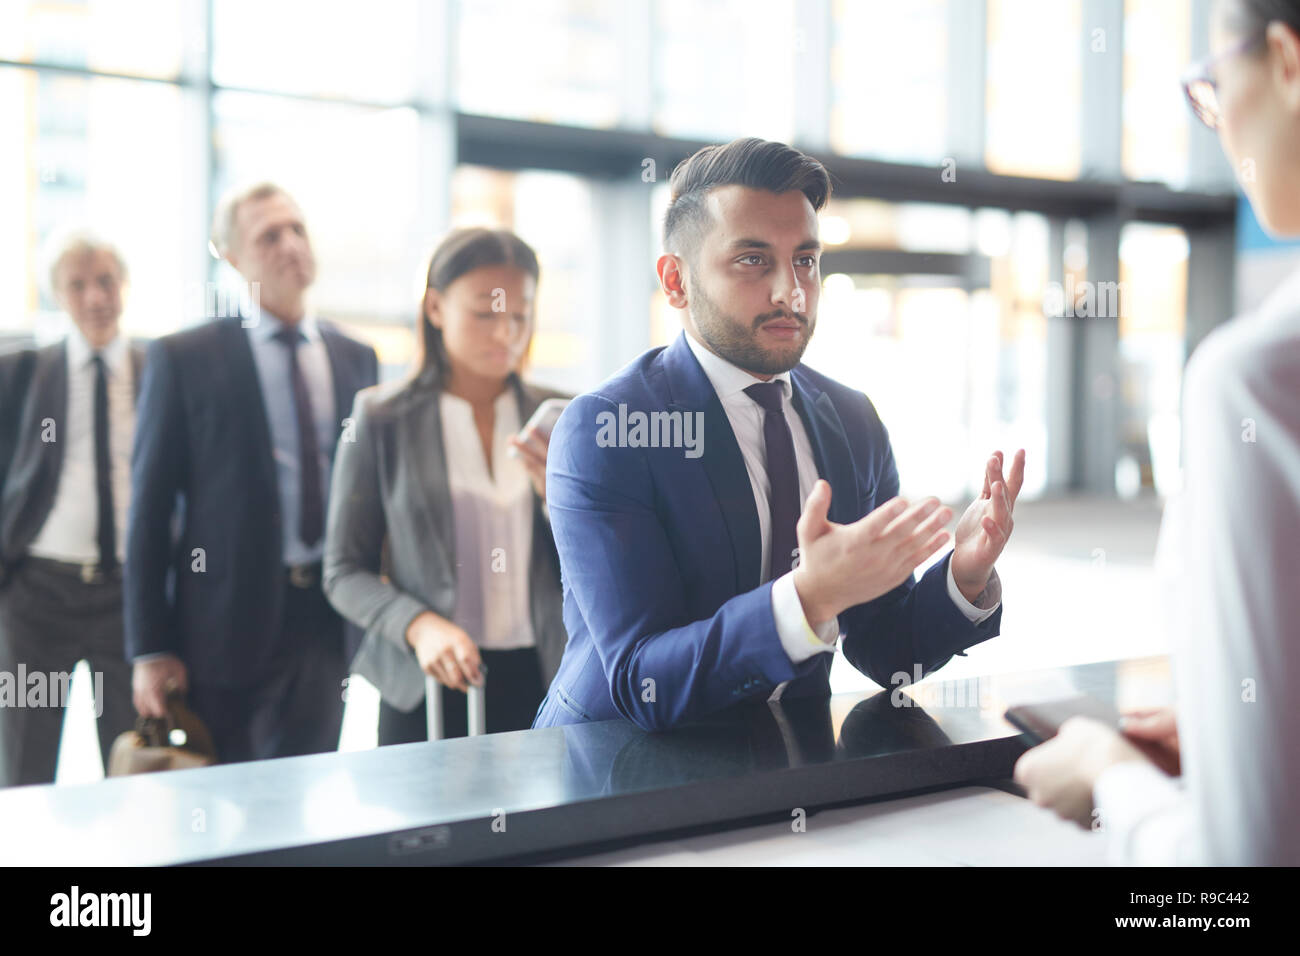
x=1202, y=85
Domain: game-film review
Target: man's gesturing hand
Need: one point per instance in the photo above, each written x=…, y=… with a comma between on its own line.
x=983, y=530
x=842, y=565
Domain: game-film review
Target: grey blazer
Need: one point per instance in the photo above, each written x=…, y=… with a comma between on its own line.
x=390, y=537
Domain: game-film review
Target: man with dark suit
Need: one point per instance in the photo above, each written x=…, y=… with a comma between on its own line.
x=67, y=414
x=703, y=556
x=239, y=419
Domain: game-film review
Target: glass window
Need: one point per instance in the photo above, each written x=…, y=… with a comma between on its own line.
x=1152, y=349
x=552, y=61
x=1034, y=90
x=981, y=350
x=1157, y=47
x=375, y=51
x=889, y=79
x=882, y=335
x=138, y=37
x=725, y=68
x=117, y=156
x=879, y=224
x=364, y=190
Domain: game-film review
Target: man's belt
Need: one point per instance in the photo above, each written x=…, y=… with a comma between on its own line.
x=304, y=575
x=90, y=572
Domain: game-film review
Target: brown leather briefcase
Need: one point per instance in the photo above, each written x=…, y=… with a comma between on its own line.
x=175, y=742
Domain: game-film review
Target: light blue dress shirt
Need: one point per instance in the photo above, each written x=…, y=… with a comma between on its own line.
x=271, y=357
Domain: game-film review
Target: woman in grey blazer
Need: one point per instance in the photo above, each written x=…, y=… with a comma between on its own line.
x=438, y=543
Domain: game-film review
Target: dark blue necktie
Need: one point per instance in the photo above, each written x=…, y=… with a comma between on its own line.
x=106, y=533
x=311, y=506
x=782, y=476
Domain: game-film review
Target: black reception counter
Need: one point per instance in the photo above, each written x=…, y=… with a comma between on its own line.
x=513, y=796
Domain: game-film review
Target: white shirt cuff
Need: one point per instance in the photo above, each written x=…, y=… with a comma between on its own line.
x=1145, y=814
x=987, y=600
x=153, y=656
x=797, y=636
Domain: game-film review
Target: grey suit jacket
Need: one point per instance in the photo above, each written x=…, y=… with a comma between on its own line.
x=34, y=387
x=390, y=537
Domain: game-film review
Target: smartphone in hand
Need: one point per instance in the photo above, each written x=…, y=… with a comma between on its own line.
x=544, y=419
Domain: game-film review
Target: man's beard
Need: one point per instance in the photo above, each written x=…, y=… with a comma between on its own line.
x=739, y=346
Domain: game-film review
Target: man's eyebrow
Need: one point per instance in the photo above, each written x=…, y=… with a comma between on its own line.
x=281, y=224
x=737, y=244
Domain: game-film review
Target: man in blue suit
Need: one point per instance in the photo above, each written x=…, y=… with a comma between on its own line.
x=724, y=513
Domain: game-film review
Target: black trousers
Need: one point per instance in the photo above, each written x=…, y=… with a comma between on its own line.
x=513, y=693
x=49, y=620
x=299, y=708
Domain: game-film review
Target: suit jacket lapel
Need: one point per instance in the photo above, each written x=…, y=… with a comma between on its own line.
x=341, y=378
x=527, y=399
x=830, y=445
x=424, y=448
x=49, y=391
x=137, y=351
x=690, y=391
x=248, y=386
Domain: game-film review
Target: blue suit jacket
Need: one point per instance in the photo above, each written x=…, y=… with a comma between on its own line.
x=659, y=556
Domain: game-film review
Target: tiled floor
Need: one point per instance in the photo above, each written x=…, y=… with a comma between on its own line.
x=1077, y=587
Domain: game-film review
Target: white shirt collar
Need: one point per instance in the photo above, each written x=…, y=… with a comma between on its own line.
x=264, y=324
x=80, y=353
x=728, y=379
x=503, y=404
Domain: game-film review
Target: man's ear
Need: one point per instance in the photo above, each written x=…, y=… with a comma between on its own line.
x=672, y=279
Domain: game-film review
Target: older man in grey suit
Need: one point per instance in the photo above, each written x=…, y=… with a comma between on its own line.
x=67, y=417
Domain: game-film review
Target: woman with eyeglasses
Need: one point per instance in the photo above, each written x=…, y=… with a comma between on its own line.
x=1229, y=550
x=438, y=543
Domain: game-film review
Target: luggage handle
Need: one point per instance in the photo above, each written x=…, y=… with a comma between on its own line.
x=475, y=704
x=157, y=731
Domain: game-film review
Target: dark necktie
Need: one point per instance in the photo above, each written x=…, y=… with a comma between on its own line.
x=782, y=476
x=106, y=533
x=311, y=509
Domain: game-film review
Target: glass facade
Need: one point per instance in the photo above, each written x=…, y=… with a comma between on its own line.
x=133, y=116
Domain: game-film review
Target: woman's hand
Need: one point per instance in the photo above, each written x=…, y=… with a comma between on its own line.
x=531, y=448
x=1155, y=732
x=445, y=651
x=1060, y=773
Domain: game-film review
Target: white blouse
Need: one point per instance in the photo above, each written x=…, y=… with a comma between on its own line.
x=1227, y=558
x=493, y=514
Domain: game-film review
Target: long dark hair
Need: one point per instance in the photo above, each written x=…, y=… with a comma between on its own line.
x=462, y=251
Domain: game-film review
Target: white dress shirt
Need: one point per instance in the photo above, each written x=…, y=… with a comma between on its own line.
x=746, y=416
x=1226, y=561
x=71, y=531
x=493, y=514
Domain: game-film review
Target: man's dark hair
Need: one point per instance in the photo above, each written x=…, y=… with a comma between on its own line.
x=756, y=163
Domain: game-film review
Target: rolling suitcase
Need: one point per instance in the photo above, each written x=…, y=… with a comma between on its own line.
x=476, y=704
